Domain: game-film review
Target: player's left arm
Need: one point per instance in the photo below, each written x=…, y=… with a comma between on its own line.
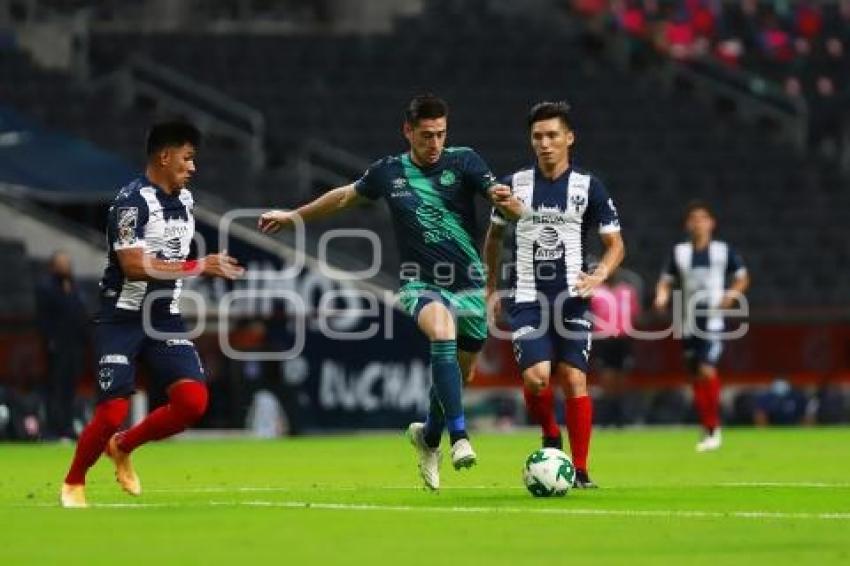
x=740, y=280
x=477, y=174
x=615, y=252
x=602, y=213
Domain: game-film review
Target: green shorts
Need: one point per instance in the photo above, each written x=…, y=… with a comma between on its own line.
x=468, y=307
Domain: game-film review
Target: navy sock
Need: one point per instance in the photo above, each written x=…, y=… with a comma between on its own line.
x=445, y=373
x=436, y=421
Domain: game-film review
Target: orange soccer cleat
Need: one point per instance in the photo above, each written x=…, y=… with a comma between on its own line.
x=73, y=496
x=124, y=472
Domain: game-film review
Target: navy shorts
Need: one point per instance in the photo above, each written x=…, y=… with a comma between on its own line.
x=541, y=334
x=701, y=351
x=119, y=343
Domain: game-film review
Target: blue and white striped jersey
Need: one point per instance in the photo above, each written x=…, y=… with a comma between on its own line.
x=704, y=272
x=144, y=216
x=550, y=240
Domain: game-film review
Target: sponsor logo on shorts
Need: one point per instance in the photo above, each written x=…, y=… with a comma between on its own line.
x=522, y=332
x=114, y=359
x=579, y=321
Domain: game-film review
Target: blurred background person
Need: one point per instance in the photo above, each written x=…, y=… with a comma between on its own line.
x=64, y=326
x=701, y=267
x=783, y=404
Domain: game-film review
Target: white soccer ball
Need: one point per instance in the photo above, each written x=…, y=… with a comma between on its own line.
x=548, y=472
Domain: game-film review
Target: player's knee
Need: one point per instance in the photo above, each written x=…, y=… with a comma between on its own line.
x=576, y=382
x=536, y=381
x=577, y=388
x=437, y=323
x=190, y=399
x=707, y=371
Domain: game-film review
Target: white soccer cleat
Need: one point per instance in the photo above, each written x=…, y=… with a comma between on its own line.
x=710, y=442
x=463, y=456
x=73, y=496
x=429, y=458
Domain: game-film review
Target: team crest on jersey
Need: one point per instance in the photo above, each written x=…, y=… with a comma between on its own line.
x=578, y=202
x=399, y=183
x=448, y=178
x=128, y=218
x=105, y=377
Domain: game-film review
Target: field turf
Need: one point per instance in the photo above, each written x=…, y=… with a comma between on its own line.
x=777, y=496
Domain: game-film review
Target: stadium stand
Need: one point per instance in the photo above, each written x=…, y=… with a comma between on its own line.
x=17, y=298
x=656, y=150
x=337, y=96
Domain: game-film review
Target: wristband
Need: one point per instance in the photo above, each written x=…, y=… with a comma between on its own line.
x=190, y=266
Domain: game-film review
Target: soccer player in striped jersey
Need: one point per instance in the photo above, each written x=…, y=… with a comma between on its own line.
x=150, y=227
x=702, y=267
x=430, y=190
x=550, y=280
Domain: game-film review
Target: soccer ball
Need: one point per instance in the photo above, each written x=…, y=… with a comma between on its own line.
x=548, y=472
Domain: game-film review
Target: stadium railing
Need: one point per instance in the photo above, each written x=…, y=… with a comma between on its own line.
x=210, y=108
x=754, y=98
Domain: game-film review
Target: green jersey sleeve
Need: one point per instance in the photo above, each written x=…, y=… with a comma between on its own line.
x=371, y=184
x=476, y=173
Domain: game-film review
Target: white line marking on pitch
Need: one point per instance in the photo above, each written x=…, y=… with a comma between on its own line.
x=272, y=489
x=784, y=484
x=666, y=513
x=566, y=511
x=261, y=489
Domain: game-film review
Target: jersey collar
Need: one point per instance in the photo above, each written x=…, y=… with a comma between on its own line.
x=160, y=190
x=563, y=176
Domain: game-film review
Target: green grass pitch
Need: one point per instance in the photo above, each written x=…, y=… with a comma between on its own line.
x=777, y=496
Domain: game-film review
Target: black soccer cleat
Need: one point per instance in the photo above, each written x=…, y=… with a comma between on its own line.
x=553, y=442
x=583, y=481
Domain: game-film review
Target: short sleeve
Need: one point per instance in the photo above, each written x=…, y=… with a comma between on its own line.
x=601, y=209
x=476, y=173
x=370, y=185
x=126, y=221
x=735, y=264
x=669, y=272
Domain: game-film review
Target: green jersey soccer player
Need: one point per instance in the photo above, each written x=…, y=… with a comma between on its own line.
x=430, y=191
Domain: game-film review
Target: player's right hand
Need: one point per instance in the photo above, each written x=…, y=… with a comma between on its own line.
x=273, y=220
x=222, y=265
x=500, y=194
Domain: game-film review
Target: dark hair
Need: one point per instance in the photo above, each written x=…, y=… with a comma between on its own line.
x=171, y=134
x=695, y=205
x=547, y=110
x=425, y=107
